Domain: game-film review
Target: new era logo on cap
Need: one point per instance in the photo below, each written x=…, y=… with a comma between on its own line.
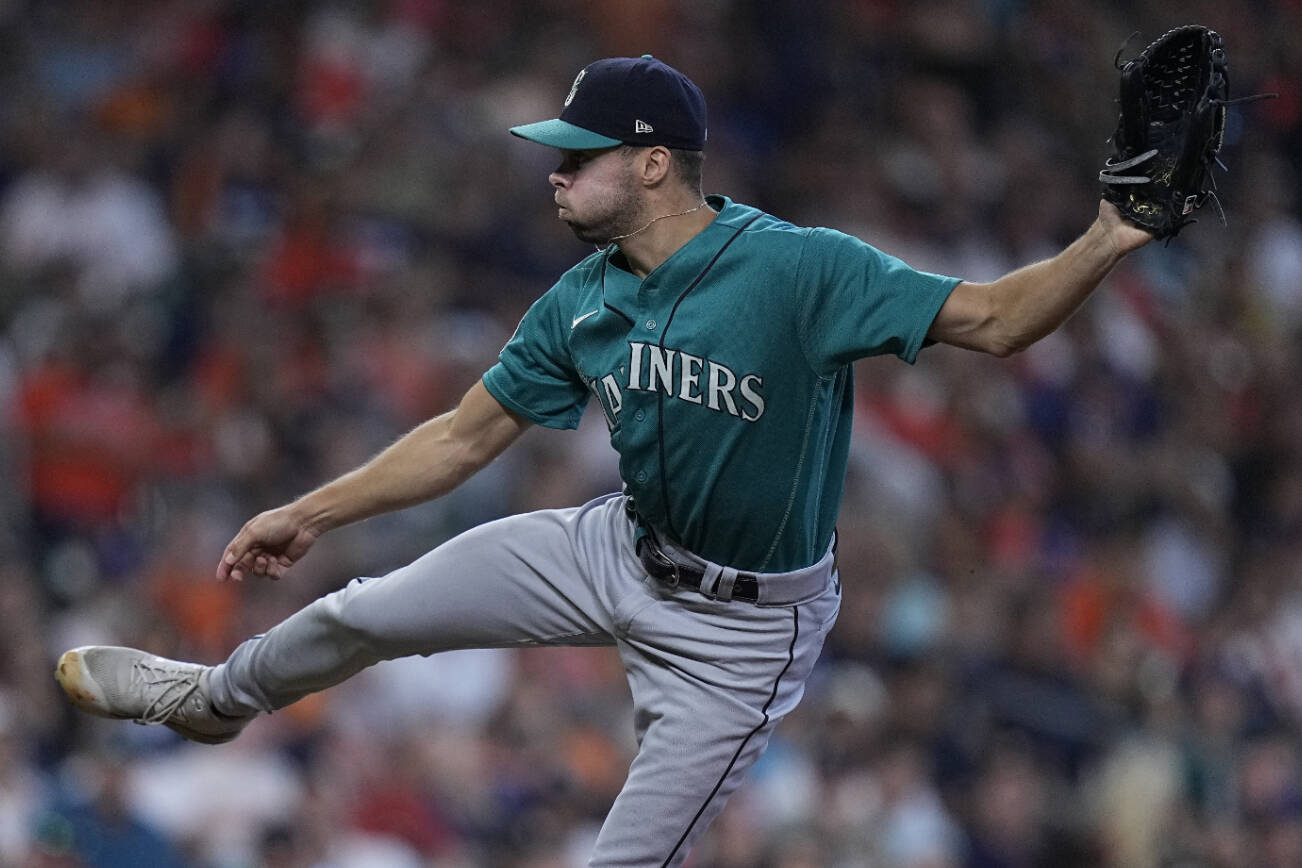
x=610, y=102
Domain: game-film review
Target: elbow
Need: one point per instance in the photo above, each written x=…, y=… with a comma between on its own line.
x=466, y=458
x=979, y=317
x=990, y=325
x=1006, y=345
x=1000, y=338
x=1008, y=332
x=475, y=458
x=467, y=455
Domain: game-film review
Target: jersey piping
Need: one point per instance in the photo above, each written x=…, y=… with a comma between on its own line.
x=791, y=657
x=607, y=305
x=660, y=402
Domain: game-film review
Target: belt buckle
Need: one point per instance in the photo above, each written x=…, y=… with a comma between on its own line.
x=657, y=554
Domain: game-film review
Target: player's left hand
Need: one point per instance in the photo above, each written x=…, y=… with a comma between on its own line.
x=1124, y=235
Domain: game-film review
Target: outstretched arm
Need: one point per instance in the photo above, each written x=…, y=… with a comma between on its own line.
x=1013, y=312
x=427, y=462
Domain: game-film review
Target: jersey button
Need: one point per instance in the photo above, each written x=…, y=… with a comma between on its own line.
x=640, y=415
x=650, y=325
x=640, y=476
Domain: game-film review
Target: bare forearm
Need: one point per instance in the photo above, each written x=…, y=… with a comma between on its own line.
x=420, y=466
x=1015, y=311
x=1034, y=300
x=427, y=462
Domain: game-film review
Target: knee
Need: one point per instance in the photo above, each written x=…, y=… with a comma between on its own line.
x=347, y=614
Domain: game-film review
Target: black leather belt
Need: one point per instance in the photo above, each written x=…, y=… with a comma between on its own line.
x=667, y=571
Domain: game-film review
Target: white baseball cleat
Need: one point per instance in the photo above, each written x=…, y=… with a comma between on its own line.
x=126, y=684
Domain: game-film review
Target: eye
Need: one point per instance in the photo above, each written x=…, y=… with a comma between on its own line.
x=571, y=161
x=574, y=161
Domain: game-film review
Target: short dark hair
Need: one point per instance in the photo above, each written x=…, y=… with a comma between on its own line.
x=687, y=165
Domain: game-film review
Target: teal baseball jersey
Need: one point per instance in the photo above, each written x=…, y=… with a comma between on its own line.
x=725, y=376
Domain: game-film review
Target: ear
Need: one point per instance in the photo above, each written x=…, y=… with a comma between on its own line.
x=655, y=165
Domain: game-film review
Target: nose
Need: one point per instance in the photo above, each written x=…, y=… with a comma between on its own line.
x=558, y=179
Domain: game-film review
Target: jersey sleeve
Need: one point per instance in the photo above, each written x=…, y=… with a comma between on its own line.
x=857, y=301
x=534, y=375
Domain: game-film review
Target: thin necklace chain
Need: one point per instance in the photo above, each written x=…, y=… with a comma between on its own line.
x=611, y=241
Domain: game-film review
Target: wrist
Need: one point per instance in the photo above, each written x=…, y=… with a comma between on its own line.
x=312, y=513
x=1102, y=240
x=1122, y=236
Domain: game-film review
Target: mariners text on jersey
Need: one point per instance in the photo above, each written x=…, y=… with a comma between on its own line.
x=682, y=376
x=734, y=354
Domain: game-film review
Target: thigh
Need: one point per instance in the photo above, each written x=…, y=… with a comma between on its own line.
x=710, y=682
x=521, y=580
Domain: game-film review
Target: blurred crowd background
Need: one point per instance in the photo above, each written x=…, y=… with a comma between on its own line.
x=245, y=245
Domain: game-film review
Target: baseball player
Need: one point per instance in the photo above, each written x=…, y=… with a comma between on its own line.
x=717, y=340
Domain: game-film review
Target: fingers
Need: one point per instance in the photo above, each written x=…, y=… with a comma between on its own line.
x=265, y=565
x=228, y=566
x=267, y=545
x=245, y=555
x=235, y=561
x=234, y=567
x=254, y=562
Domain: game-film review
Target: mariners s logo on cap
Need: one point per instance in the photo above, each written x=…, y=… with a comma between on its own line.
x=574, y=87
x=625, y=101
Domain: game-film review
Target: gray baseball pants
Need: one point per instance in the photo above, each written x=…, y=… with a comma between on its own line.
x=710, y=678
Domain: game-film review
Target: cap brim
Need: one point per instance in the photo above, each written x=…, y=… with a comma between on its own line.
x=559, y=134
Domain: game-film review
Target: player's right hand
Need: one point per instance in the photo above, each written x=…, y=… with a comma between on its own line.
x=268, y=545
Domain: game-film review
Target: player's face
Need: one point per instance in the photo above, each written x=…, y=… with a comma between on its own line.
x=596, y=194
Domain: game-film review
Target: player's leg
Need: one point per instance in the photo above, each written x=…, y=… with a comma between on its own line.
x=514, y=581
x=710, y=682
x=517, y=581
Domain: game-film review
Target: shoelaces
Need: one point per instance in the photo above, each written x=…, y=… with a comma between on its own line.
x=167, y=687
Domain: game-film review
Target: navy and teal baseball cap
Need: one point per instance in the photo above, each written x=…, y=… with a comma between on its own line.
x=625, y=101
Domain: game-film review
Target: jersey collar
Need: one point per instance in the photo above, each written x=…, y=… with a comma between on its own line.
x=705, y=243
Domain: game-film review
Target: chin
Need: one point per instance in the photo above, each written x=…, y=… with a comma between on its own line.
x=586, y=234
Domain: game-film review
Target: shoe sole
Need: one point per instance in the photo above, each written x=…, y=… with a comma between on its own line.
x=72, y=677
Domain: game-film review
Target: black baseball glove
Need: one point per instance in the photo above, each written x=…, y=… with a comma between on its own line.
x=1172, y=125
